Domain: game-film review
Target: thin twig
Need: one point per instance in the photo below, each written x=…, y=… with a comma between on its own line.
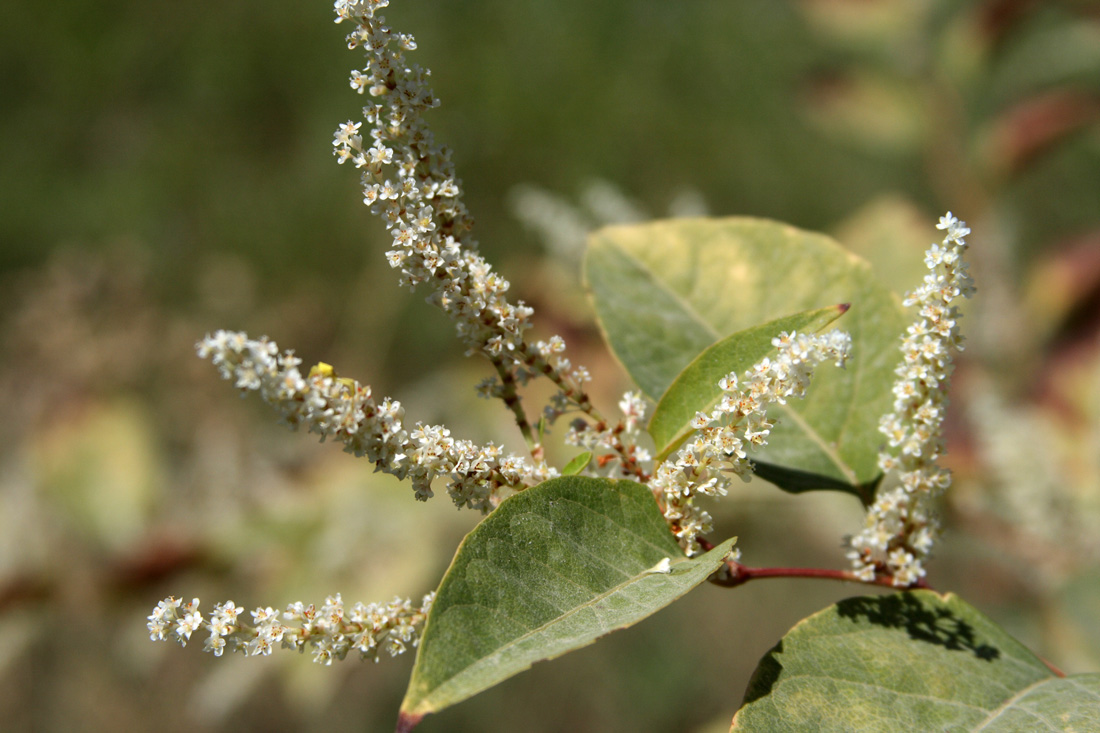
x=511, y=399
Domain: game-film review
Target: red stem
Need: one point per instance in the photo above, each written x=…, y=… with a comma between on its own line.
x=1052, y=668
x=740, y=574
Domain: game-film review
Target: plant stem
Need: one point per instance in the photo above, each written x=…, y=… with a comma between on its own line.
x=1057, y=672
x=574, y=393
x=740, y=574
x=511, y=399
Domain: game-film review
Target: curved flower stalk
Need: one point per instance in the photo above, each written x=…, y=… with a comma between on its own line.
x=345, y=410
x=330, y=632
x=901, y=526
x=409, y=182
x=702, y=467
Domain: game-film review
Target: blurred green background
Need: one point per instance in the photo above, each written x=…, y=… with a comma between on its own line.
x=167, y=171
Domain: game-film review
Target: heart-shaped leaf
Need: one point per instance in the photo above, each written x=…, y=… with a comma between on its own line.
x=666, y=291
x=696, y=388
x=911, y=661
x=551, y=570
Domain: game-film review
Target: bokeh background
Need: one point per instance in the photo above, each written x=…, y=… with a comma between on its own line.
x=165, y=171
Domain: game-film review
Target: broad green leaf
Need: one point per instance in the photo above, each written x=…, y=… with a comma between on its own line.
x=664, y=292
x=911, y=661
x=577, y=464
x=891, y=233
x=696, y=388
x=551, y=570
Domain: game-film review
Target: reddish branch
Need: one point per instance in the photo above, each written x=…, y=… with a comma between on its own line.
x=737, y=574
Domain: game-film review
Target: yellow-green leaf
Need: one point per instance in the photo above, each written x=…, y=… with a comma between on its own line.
x=665, y=292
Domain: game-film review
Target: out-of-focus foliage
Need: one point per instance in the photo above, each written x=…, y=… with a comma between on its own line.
x=166, y=171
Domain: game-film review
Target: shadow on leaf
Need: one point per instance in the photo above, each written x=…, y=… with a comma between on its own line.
x=935, y=626
x=765, y=676
x=928, y=622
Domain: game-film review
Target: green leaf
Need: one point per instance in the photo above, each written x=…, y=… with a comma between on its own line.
x=794, y=481
x=911, y=661
x=696, y=388
x=577, y=464
x=551, y=570
x=664, y=292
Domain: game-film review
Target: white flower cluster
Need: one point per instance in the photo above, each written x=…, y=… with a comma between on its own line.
x=616, y=448
x=739, y=420
x=331, y=631
x=900, y=527
x=409, y=182
x=345, y=410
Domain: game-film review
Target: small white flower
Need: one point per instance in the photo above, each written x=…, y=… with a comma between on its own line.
x=900, y=529
x=701, y=466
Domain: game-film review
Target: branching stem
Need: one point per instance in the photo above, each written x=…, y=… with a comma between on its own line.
x=572, y=392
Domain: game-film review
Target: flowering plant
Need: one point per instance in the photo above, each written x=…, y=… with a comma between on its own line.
x=724, y=389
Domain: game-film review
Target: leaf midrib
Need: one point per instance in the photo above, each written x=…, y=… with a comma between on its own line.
x=575, y=609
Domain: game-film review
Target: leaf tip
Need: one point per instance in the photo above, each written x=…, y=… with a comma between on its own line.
x=843, y=307
x=406, y=721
